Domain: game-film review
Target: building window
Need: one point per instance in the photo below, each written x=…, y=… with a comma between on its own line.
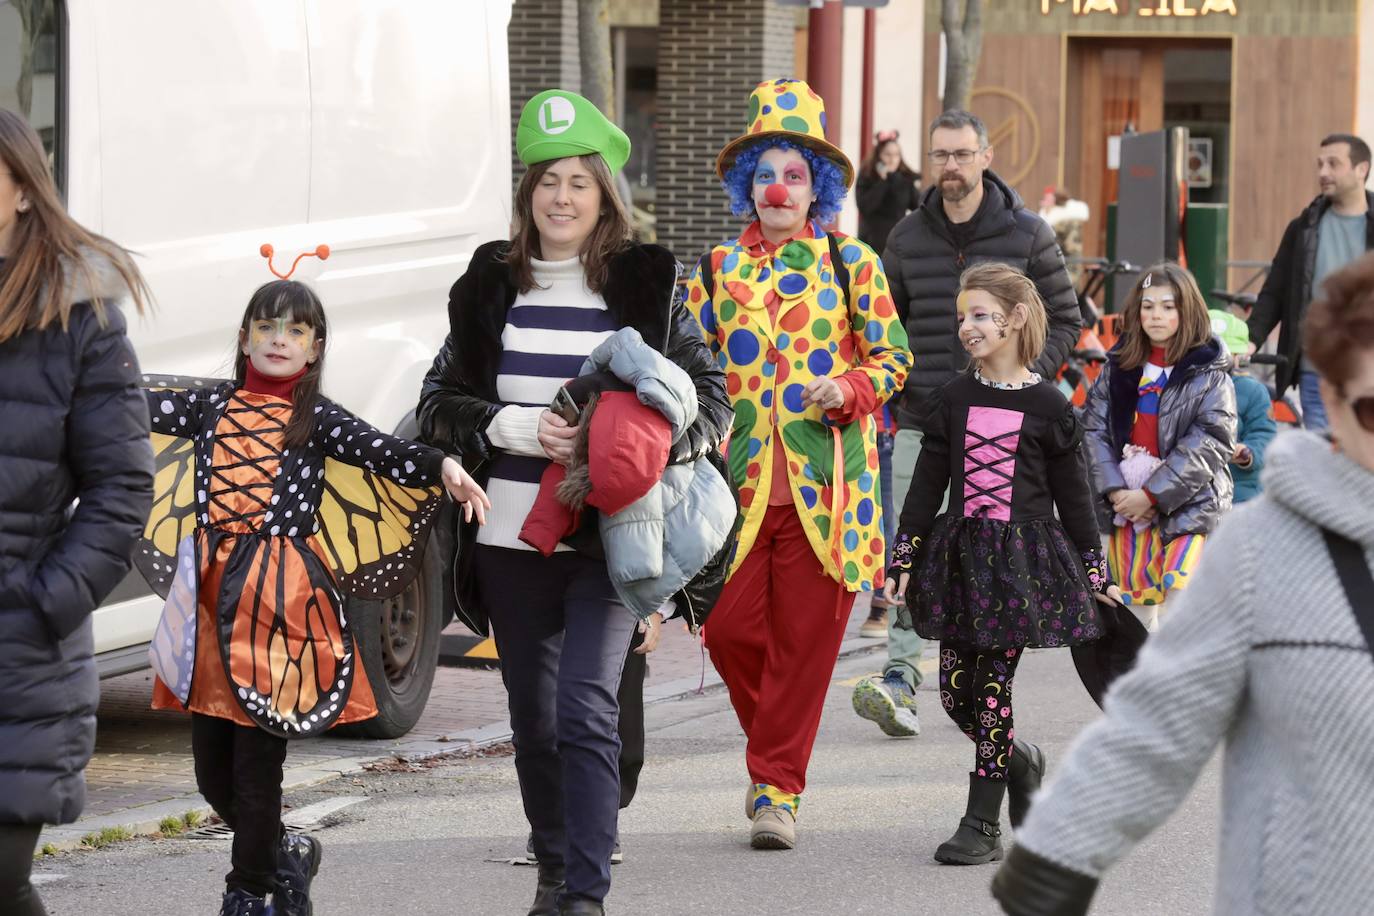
x=30, y=68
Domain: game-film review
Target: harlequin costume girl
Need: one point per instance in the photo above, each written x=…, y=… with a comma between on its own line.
x=811, y=343
x=997, y=573
x=270, y=499
x=1165, y=389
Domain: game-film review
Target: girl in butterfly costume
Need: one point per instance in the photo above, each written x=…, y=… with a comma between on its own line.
x=253, y=640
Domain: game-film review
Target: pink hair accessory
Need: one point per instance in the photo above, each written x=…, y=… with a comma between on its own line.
x=885, y=135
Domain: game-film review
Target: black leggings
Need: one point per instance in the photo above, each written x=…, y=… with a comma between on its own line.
x=631, y=726
x=975, y=688
x=239, y=771
x=17, y=896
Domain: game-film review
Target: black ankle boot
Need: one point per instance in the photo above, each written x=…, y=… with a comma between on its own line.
x=978, y=839
x=298, y=860
x=580, y=906
x=238, y=902
x=546, y=893
x=1024, y=773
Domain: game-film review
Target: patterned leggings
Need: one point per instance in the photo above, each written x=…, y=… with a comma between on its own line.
x=975, y=688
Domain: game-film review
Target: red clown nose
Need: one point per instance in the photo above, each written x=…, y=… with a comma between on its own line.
x=775, y=195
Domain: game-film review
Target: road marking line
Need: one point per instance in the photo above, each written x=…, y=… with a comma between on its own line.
x=313, y=814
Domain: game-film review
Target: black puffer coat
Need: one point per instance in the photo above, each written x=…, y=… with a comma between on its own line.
x=1288, y=288
x=923, y=264
x=458, y=398
x=75, y=428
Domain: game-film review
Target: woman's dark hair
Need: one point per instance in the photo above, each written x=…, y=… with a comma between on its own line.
x=612, y=233
x=1194, y=324
x=293, y=301
x=1338, y=329
x=47, y=244
x=869, y=169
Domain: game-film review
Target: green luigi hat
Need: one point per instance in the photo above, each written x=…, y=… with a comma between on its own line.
x=556, y=124
x=1234, y=333
x=786, y=109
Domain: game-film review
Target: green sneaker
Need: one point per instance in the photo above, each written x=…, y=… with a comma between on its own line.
x=890, y=702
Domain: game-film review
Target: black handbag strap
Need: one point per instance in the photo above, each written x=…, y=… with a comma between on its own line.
x=1355, y=579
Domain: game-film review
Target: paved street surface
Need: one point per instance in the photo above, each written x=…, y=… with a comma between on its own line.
x=438, y=841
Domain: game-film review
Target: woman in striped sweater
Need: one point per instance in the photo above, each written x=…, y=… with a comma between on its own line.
x=523, y=318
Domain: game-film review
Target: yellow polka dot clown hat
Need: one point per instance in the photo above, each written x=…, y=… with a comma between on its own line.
x=786, y=109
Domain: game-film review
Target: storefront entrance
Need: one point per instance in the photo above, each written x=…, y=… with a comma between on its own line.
x=1118, y=85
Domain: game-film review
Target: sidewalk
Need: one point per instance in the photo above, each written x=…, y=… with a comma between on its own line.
x=142, y=770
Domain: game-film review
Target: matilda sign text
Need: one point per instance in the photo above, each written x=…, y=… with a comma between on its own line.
x=1144, y=7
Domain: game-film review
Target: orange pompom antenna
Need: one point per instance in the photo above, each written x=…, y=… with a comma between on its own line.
x=321, y=252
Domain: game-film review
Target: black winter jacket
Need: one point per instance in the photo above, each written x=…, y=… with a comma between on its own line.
x=458, y=398
x=1288, y=288
x=882, y=202
x=923, y=265
x=75, y=427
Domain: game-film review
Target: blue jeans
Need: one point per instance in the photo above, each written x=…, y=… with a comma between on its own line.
x=1309, y=395
x=563, y=636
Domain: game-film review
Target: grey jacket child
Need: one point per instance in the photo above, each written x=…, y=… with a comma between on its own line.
x=657, y=544
x=1263, y=652
x=1197, y=436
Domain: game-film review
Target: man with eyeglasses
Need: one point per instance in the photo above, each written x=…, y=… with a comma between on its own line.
x=967, y=216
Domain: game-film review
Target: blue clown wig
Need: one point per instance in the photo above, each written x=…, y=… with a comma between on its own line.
x=827, y=181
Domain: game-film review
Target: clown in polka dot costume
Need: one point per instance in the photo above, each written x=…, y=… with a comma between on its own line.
x=806, y=331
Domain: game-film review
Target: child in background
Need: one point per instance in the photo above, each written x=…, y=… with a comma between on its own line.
x=1255, y=427
x=997, y=573
x=1166, y=388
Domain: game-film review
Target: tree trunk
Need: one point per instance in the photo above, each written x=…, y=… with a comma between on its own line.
x=963, y=47
x=594, y=38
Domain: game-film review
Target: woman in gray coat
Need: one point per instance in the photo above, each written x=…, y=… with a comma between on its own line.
x=76, y=489
x=1160, y=428
x=1263, y=650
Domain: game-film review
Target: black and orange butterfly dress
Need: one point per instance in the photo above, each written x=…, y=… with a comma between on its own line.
x=252, y=542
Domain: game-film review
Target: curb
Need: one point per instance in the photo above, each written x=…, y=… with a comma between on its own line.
x=144, y=820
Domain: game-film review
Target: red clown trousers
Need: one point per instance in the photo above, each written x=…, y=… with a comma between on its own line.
x=774, y=636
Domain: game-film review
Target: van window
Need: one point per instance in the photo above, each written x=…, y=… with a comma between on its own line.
x=30, y=65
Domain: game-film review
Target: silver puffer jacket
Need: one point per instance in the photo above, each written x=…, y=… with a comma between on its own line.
x=1197, y=436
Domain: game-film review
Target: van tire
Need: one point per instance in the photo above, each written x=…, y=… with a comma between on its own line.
x=400, y=652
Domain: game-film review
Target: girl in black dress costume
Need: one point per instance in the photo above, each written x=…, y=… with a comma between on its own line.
x=997, y=573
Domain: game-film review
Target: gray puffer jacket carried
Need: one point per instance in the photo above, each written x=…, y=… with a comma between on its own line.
x=657, y=544
x=76, y=490
x=1197, y=436
x=1262, y=652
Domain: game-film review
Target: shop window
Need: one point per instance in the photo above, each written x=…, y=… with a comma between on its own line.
x=30, y=67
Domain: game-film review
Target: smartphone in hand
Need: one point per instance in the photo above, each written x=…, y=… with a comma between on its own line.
x=564, y=406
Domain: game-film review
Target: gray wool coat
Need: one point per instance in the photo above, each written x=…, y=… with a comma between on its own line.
x=658, y=543
x=1197, y=436
x=1262, y=651
x=73, y=426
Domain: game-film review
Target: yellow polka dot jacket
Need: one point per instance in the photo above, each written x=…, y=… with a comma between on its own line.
x=820, y=330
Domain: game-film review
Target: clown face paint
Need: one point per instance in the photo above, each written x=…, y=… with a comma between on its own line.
x=782, y=193
x=280, y=347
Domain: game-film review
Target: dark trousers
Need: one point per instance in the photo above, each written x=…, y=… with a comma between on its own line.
x=562, y=634
x=631, y=701
x=17, y=896
x=239, y=771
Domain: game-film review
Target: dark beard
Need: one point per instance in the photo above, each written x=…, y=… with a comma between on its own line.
x=955, y=190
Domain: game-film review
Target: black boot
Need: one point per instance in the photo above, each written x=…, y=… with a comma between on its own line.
x=978, y=839
x=298, y=860
x=238, y=902
x=1024, y=773
x=580, y=906
x=546, y=893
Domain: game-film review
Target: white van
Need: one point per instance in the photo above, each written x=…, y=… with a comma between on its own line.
x=193, y=131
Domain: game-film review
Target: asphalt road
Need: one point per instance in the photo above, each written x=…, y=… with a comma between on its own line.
x=438, y=841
